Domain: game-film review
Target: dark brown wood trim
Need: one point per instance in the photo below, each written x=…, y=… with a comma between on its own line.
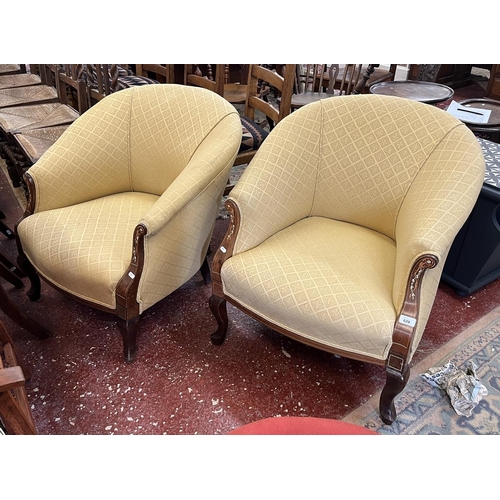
x=226, y=248
x=406, y=322
x=303, y=340
x=127, y=306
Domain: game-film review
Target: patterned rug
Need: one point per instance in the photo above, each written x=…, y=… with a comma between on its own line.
x=423, y=409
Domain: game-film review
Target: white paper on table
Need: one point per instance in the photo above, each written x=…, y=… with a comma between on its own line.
x=469, y=114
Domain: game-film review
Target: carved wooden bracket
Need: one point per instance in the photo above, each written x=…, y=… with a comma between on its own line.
x=226, y=248
x=406, y=322
x=127, y=306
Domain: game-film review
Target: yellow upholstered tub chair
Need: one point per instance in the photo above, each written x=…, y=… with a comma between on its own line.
x=341, y=224
x=122, y=207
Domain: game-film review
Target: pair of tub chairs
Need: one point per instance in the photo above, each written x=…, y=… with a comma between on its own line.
x=339, y=226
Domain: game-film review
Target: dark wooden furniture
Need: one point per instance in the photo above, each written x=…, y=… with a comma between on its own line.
x=12, y=69
x=4, y=228
x=220, y=78
x=452, y=75
x=474, y=258
x=489, y=130
x=321, y=81
x=31, y=130
x=493, y=90
x=426, y=92
x=370, y=75
x=11, y=273
x=162, y=73
x=15, y=412
x=263, y=81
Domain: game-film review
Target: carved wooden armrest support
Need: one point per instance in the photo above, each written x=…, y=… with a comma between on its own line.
x=406, y=322
x=126, y=291
x=226, y=248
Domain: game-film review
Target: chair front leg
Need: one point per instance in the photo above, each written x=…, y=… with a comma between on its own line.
x=35, y=291
x=395, y=383
x=128, y=330
x=218, y=306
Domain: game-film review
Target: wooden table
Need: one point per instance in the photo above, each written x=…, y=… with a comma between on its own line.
x=489, y=130
x=427, y=92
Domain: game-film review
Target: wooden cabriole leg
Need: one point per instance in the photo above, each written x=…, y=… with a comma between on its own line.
x=205, y=271
x=397, y=365
x=395, y=383
x=217, y=302
x=128, y=329
x=218, y=306
x=35, y=291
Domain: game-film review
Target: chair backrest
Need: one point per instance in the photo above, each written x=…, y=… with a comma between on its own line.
x=280, y=81
x=207, y=76
x=101, y=79
x=71, y=86
x=331, y=79
x=141, y=138
x=354, y=164
x=162, y=73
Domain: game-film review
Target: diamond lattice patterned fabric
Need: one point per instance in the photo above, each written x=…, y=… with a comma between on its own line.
x=155, y=155
x=402, y=169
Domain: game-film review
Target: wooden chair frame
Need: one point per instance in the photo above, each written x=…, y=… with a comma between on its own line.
x=397, y=364
x=15, y=411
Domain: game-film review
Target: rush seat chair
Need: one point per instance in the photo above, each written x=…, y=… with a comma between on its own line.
x=341, y=224
x=122, y=207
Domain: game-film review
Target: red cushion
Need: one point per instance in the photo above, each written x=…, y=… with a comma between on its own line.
x=300, y=425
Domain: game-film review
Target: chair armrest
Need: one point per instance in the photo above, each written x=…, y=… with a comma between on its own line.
x=180, y=224
x=432, y=214
x=210, y=164
x=10, y=378
x=433, y=211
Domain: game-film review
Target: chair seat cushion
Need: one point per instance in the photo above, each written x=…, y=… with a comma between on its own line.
x=36, y=116
x=85, y=249
x=317, y=279
x=252, y=135
x=19, y=96
x=35, y=142
x=296, y=426
x=20, y=80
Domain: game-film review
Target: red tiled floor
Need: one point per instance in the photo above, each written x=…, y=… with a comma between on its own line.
x=182, y=384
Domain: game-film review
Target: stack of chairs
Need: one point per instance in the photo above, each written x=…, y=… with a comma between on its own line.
x=40, y=104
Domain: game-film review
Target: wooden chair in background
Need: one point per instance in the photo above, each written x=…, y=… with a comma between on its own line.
x=12, y=69
x=162, y=73
x=322, y=81
x=15, y=412
x=22, y=79
x=219, y=78
x=263, y=82
x=31, y=130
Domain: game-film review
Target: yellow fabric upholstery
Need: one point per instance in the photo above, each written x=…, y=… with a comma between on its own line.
x=157, y=155
x=317, y=278
x=339, y=202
